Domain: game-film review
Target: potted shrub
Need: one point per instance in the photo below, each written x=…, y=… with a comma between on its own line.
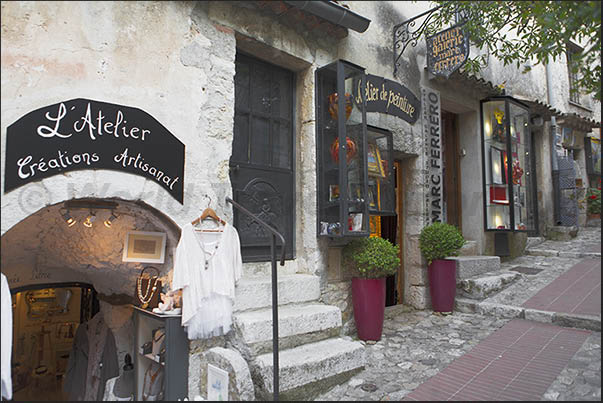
x=370, y=260
x=593, y=203
x=438, y=241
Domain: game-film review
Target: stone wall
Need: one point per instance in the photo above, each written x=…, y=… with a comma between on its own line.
x=121, y=53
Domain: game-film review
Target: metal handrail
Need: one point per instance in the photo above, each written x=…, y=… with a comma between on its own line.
x=275, y=233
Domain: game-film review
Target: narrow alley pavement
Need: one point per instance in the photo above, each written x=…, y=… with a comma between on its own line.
x=538, y=339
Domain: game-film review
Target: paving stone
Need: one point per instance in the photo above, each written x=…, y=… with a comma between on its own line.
x=418, y=343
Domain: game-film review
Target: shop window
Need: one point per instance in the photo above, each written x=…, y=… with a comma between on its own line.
x=592, y=150
x=508, y=190
x=261, y=166
x=355, y=167
x=572, y=66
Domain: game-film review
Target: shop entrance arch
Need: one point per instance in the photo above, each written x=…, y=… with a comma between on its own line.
x=61, y=276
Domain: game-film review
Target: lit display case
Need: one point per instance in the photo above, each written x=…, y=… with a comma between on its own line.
x=341, y=141
x=508, y=204
x=381, y=180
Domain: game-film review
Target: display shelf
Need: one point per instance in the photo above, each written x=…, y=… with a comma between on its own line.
x=152, y=357
x=505, y=149
x=175, y=365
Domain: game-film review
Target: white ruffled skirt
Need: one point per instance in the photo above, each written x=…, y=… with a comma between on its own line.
x=213, y=318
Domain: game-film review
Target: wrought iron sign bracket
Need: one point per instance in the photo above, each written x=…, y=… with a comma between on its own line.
x=404, y=35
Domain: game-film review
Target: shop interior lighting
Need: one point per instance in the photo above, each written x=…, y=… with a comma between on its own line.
x=109, y=221
x=90, y=219
x=69, y=219
x=91, y=205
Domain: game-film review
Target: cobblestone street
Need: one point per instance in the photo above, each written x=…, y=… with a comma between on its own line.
x=418, y=345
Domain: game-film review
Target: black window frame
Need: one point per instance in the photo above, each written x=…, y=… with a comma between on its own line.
x=290, y=253
x=574, y=91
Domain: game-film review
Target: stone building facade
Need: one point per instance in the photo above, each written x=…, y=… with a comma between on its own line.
x=177, y=61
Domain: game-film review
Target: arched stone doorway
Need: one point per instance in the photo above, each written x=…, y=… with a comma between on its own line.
x=42, y=255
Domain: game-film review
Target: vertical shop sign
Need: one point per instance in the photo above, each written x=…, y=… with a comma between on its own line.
x=86, y=134
x=447, y=51
x=433, y=155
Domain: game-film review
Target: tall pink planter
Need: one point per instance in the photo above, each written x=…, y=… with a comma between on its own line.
x=442, y=285
x=368, y=297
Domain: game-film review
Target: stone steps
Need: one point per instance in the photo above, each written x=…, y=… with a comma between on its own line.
x=470, y=266
x=255, y=292
x=311, y=354
x=469, y=249
x=305, y=371
x=534, y=241
x=298, y=324
x=481, y=287
x=557, y=253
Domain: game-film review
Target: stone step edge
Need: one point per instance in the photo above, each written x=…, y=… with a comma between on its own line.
x=262, y=366
x=507, y=278
x=556, y=253
x=587, y=322
x=265, y=319
x=245, y=299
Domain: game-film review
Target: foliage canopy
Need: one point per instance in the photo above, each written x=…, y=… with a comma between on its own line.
x=541, y=31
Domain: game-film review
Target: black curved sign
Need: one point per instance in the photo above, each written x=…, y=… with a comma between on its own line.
x=387, y=96
x=86, y=134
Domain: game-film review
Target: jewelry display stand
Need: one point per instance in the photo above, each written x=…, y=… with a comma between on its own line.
x=175, y=359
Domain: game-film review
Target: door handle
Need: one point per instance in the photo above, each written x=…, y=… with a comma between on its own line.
x=235, y=167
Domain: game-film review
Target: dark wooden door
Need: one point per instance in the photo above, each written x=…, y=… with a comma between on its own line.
x=451, y=167
x=261, y=165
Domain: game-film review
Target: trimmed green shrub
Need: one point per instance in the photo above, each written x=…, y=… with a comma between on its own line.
x=439, y=240
x=371, y=257
x=593, y=201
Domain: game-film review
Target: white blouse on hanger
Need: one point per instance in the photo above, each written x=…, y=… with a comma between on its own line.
x=207, y=293
x=7, y=339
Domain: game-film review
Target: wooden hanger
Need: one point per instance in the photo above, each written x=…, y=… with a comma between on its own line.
x=209, y=213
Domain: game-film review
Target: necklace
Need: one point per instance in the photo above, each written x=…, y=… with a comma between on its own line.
x=149, y=293
x=208, y=255
x=151, y=376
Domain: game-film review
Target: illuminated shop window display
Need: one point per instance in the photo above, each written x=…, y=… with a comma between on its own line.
x=343, y=204
x=506, y=161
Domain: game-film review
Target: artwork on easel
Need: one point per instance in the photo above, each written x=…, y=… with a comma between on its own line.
x=375, y=164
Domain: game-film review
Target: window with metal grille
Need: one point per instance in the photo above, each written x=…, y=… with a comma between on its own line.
x=262, y=163
x=572, y=69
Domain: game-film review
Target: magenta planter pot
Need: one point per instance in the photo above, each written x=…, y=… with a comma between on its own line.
x=442, y=285
x=368, y=296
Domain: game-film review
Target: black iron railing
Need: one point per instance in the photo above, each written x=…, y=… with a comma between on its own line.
x=275, y=234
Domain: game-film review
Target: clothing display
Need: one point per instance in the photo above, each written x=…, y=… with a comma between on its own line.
x=7, y=339
x=122, y=387
x=92, y=361
x=206, y=268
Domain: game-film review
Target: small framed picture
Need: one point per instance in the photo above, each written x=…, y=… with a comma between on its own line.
x=375, y=165
x=217, y=384
x=496, y=166
x=356, y=192
x=333, y=192
x=144, y=247
x=373, y=194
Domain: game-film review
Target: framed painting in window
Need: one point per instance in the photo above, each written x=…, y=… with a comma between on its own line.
x=496, y=165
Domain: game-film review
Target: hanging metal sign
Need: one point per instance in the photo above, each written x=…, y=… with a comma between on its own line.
x=86, y=134
x=447, y=51
x=387, y=96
